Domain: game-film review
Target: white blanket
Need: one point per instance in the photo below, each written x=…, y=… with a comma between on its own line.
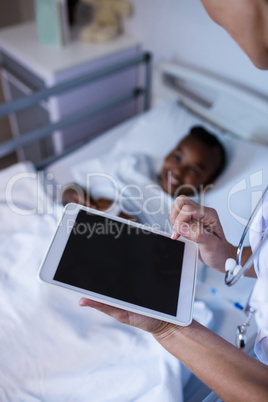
x=52, y=349
x=131, y=181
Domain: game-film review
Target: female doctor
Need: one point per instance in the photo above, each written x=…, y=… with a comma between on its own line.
x=228, y=371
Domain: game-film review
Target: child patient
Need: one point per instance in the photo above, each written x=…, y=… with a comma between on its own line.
x=193, y=164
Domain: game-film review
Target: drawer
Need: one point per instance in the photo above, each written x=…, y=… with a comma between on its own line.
x=20, y=72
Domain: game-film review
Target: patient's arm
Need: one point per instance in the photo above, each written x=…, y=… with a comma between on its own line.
x=102, y=204
x=125, y=216
x=76, y=194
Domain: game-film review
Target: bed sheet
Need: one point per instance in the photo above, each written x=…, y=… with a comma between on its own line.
x=155, y=133
x=21, y=197
x=52, y=349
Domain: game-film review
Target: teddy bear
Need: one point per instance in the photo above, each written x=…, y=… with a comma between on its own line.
x=106, y=22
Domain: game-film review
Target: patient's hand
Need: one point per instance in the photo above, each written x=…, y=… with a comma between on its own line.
x=74, y=193
x=125, y=216
x=102, y=204
x=77, y=195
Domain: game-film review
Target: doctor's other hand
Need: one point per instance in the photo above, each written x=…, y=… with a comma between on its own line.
x=160, y=329
x=201, y=225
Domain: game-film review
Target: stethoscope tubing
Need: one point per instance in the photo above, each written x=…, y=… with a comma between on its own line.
x=232, y=276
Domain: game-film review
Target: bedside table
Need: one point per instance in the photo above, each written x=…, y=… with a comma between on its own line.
x=27, y=66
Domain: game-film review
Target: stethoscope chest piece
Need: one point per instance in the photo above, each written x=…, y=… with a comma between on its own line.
x=241, y=336
x=231, y=267
x=241, y=330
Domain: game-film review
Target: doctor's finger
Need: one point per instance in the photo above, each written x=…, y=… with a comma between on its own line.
x=185, y=205
x=189, y=216
x=193, y=230
x=194, y=223
x=188, y=224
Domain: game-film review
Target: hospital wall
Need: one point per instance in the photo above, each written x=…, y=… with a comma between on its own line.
x=181, y=30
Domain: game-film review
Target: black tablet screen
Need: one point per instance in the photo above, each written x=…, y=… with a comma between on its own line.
x=124, y=262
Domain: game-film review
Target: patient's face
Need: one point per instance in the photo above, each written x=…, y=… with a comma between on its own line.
x=190, y=165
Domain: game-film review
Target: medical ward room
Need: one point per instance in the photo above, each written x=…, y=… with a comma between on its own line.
x=81, y=97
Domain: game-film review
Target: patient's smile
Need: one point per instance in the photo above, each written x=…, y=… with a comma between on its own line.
x=174, y=181
x=188, y=167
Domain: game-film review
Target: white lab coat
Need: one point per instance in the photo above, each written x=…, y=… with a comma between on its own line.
x=259, y=298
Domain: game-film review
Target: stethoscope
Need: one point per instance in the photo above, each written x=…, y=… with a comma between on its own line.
x=234, y=270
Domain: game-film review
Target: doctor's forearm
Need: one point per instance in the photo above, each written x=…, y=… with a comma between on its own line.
x=229, y=372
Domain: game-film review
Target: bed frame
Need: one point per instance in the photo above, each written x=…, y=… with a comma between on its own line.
x=143, y=92
x=226, y=104
x=230, y=106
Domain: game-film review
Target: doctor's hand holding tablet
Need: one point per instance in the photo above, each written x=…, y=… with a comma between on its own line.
x=123, y=264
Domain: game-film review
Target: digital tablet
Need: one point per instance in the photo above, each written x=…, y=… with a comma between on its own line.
x=123, y=264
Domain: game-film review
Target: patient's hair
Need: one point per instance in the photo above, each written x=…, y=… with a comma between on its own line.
x=212, y=142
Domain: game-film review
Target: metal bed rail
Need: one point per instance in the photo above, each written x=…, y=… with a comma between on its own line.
x=25, y=102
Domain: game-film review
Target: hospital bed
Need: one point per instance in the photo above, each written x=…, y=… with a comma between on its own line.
x=51, y=349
